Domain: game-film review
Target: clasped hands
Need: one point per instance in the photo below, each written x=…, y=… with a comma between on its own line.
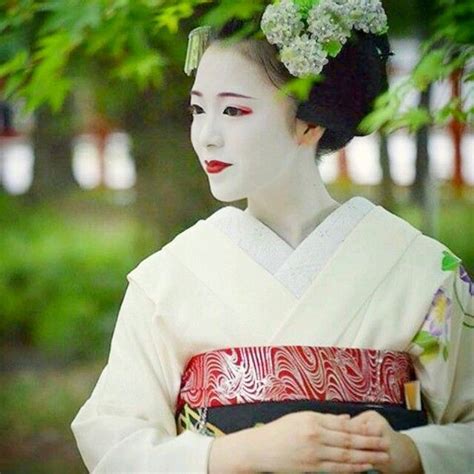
x=362, y=443
x=308, y=441
x=339, y=443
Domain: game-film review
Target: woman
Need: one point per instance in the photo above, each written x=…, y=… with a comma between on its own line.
x=295, y=269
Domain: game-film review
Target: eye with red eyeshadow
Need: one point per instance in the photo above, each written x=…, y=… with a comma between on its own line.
x=237, y=112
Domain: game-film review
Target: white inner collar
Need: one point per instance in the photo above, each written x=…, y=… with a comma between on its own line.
x=294, y=268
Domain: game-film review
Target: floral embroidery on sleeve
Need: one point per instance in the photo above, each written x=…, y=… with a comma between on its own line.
x=452, y=263
x=433, y=337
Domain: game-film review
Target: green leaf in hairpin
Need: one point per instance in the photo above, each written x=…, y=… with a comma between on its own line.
x=333, y=48
x=304, y=6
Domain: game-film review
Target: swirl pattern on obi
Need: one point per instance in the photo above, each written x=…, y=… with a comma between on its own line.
x=280, y=373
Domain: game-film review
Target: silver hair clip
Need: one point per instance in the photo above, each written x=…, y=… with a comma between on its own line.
x=198, y=41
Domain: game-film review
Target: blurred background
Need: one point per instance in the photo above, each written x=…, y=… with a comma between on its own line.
x=97, y=171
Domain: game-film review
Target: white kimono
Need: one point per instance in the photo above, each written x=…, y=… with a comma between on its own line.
x=363, y=278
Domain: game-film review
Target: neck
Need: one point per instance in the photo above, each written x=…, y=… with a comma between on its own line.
x=295, y=203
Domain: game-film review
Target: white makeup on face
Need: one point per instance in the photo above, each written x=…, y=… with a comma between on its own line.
x=251, y=133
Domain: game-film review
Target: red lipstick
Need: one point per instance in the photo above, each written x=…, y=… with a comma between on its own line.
x=216, y=166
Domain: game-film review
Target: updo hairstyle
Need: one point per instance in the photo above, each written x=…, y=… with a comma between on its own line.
x=352, y=81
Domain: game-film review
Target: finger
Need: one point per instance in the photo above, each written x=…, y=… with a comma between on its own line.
x=335, y=422
x=352, y=456
x=366, y=416
x=342, y=467
x=369, y=416
x=366, y=428
x=347, y=440
x=330, y=416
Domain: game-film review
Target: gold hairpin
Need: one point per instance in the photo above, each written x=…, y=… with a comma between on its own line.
x=198, y=40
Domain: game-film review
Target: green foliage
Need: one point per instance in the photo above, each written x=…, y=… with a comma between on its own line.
x=47, y=46
x=456, y=227
x=299, y=87
x=452, y=109
x=386, y=107
x=56, y=39
x=436, y=64
x=37, y=410
x=141, y=67
x=30, y=405
x=61, y=281
x=170, y=16
x=456, y=21
x=413, y=119
x=228, y=9
x=449, y=49
x=17, y=14
x=429, y=69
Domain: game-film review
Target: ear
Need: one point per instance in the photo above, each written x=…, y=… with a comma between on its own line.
x=307, y=133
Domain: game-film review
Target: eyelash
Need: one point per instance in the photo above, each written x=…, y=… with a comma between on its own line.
x=192, y=110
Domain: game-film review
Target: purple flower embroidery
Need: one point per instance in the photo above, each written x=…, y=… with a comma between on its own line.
x=433, y=337
x=438, y=319
x=465, y=278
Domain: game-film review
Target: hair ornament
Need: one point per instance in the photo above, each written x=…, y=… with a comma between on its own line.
x=306, y=32
x=198, y=40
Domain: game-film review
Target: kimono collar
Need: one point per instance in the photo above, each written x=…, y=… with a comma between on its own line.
x=294, y=268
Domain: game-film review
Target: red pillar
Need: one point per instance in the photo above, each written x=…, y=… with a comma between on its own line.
x=100, y=127
x=456, y=129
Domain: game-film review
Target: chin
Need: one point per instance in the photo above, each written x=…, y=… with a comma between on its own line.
x=227, y=195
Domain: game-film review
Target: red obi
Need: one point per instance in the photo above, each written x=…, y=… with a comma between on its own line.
x=226, y=390
x=261, y=374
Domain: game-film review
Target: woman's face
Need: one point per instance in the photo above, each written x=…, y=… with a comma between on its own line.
x=239, y=120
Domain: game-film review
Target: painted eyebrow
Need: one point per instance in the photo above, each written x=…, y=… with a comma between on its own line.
x=224, y=94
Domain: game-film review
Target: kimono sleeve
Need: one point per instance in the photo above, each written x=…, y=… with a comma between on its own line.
x=443, y=350
x=127, y=424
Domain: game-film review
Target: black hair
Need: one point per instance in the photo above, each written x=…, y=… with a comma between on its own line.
x=351, y=81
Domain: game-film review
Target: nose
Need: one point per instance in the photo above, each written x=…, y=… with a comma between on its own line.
x=210, y=135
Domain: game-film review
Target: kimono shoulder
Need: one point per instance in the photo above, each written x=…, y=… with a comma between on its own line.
x=153, y=271
x=428, y=259
x=411, y=269
x=424, y=255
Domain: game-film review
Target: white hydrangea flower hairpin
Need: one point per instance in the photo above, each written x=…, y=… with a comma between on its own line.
x=302, y=54
x=306, y=32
